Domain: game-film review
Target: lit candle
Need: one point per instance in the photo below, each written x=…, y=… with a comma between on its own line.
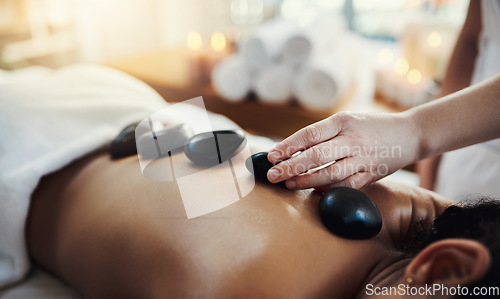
x=399, y=90
x=414, y=76
x=384, y=75
x=194, y=41
x=428, y=47
x=402, y=66
x=434, y=39
x=438, y=51
x=218, y=42
x=432, y=52
x=199, y=61
x=413, y=89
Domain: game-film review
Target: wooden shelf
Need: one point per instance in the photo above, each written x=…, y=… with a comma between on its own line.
x=168, y=72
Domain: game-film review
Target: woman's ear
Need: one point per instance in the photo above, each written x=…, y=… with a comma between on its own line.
x=450, y=262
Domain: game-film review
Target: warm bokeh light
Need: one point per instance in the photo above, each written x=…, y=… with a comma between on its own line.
x=414, y=76
x=194, y=41
x=402, y=66
x=434, y=39
x=385, y=56
x=218, y=41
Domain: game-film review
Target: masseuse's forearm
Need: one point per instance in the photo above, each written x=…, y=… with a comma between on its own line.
x=460, y=119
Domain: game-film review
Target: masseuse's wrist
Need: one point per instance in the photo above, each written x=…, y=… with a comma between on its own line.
x=414, y=137
x=424, y=126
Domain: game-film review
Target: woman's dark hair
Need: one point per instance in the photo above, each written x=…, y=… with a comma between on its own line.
x=478, y=221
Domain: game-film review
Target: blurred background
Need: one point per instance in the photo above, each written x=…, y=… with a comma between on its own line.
x=289, y=61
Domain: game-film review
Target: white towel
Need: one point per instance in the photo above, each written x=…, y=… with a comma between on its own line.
x=48, y=119
x=326, y=33
x=273, y=84
x=276, y=40
x=231, y=79
x=324, y=80
x=320, y=85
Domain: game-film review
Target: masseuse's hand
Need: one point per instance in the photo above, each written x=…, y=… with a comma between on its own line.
x=365, y=148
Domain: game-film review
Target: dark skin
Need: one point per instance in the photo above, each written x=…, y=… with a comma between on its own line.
x=109, y=232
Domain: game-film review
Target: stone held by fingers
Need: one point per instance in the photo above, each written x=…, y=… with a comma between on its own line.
x=259, y=165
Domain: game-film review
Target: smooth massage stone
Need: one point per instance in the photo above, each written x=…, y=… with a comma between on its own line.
x=173, y=137
x=212, y=148
x=349, y=213
x=169, y=139
x=124, y=144
x=259, y=165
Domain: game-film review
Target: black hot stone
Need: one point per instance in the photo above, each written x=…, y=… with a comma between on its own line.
x=259, y=166
x=173, y=138
x=169, y=139
x=212, y=148
x=349, y=213
x=124, y=144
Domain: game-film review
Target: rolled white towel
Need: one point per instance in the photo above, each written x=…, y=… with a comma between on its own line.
x=231, y=79
x=296, y=50
x=326, y=33
x=256, y=53
x=276, y=40
x=273, y=84
x=320, y=85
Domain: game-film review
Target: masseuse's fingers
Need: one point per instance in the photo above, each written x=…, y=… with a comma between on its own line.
x=307, y=137
x=356, y=181
x=336, y=172
x=313, y=157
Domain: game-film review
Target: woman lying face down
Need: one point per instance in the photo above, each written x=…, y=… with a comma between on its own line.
x=110, y=233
